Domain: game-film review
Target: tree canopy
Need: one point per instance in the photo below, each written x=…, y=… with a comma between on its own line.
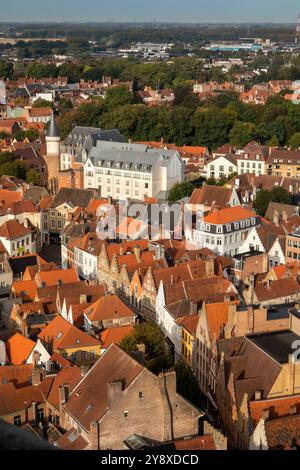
x=263, y=198
x=158, y=357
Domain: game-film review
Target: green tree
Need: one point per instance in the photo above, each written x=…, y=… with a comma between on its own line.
x=274, y=141
x=118, y=96
x=157, y=355
x=15, y=168
x=212, y=127
x=34, y=177
x=264, y=197
x=40, y=103
x=295, y=140
x=180, y=190
x=242, y=133
x=185, y=97
x=187, y=384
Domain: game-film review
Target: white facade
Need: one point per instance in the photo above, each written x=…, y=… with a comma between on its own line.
x=21, y=245
x=256, y=167
x=86, y=264
x=276, y=253
x=133, y=174
x=53, y=145
x=167, y=323
x=224, y=240
x=44, y=355
x=258, y=440
x=220, y=167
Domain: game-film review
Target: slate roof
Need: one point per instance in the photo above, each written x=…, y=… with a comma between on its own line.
x=75, y=197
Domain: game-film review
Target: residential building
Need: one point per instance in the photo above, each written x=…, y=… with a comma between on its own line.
x=17, y=239
x=107, y=312
x=224, y=231
x=66, y=339
x=221, y=166
x=138, y=401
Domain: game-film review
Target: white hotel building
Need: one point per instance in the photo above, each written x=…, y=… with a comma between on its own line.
x=126, y=170
x=225, y=231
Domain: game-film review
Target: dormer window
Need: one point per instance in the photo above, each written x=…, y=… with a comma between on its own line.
x=219, y=229
x=207, y=227
x=108, y=164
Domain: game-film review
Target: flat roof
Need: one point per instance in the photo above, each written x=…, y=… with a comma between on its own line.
x=277, y=344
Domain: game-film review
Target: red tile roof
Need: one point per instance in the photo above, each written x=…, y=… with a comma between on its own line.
x=108, y=307
x=64, y=335
x=217, y=317
x=114, y=335
x=228, y=215
x=19, y=348
x=25, y=289
x=53, y=277
x=89, y=400
x=205, y=442
x=70, y=375
x=19, y=375
x=12, y=229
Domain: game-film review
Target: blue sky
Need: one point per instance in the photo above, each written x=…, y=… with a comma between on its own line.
x=148, y=10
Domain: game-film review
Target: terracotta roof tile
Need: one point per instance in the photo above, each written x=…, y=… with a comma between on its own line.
x=27, y=290
x=276, y=407
x=114, y=335
x=19, y=375
x=63, y=335
x=13, y=229
x=70, y=375
x=108, y=307
x=205, y=442
x=228, y=215
x=89, y=400
x=53, y=277
x=19, y=348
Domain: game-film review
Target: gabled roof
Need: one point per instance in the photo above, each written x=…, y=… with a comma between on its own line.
x=217, y=317
x=70, y=375
x=276, y=407
x=276, y=289
x=63, y=335
x=19, y=349
x=114, y=335
x=207, y=290
x=106, y=308
x=208, y=195
x=190, y=323
x=73, y=197
x=12, y=229
x=89, y=400
x=13, y=399
x=25, y=289
x=283, y=433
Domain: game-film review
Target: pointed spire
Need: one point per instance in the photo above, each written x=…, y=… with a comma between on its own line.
x=53, y=129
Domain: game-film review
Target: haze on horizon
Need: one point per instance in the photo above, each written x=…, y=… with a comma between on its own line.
x=186, y=11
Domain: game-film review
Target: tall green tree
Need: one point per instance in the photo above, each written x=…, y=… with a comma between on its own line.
x=263, y=198
x=158, y=357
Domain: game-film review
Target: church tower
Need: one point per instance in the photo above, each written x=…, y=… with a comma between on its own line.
x=52, y=156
